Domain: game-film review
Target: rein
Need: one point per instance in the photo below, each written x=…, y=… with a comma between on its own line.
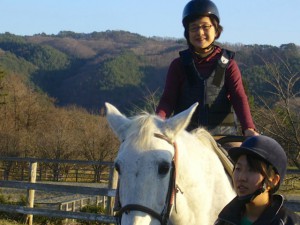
x=162, y=217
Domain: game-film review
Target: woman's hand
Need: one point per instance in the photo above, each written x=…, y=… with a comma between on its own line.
x=250, y=132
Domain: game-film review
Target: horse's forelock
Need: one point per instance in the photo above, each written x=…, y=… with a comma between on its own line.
x=142, y=129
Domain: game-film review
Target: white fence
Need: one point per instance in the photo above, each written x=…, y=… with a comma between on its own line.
x=31, y=186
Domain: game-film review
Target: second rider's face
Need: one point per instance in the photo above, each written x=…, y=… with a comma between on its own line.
x=201, y=33
x=245, y=179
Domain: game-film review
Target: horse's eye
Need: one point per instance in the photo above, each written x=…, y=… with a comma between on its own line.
x=163, y=168
x=117, y=168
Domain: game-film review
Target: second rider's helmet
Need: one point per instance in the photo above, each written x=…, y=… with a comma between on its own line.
x=267, y=150
x=264, y=148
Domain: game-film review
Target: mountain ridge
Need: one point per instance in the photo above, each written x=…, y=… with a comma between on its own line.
x=116, y=66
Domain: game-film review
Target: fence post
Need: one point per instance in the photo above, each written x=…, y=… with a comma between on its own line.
x=41, y=171
x=81, y=204
x=104, y=200
x=113, y=180
x=76, y=172
x=30, y=192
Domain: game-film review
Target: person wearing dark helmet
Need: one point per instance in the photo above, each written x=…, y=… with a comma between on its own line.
x=259, y=168
x=207, y=74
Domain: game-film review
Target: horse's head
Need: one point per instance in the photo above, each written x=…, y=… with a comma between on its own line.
x=145, y=164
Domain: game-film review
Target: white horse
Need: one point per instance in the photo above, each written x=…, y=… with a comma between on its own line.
x=167, y=175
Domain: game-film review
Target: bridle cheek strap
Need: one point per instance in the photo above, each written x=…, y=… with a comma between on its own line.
x=171, y=199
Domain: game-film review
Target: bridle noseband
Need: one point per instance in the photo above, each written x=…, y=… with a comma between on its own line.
x=162, y=217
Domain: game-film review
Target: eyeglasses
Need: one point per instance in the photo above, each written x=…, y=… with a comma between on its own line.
x=205, y=27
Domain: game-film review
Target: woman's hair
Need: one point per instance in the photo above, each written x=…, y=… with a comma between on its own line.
x=265, y=169
x=214, y=21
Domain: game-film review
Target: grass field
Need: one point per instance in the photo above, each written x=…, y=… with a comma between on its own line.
x=8, y=222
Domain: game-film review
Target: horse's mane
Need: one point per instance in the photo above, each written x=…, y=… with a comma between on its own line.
x=205, y=137
x=208, y=140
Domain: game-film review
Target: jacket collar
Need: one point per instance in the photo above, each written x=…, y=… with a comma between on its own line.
x=232, y=212
x=271, y=211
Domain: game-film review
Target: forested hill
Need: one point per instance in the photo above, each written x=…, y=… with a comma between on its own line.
x=121, y=67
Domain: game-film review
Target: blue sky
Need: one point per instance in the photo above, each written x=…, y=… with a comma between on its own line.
x=273, y=22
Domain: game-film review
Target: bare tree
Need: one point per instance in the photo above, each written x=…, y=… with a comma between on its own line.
x=57, y=139
x=149, y=103
x=97, y=142
x=281, y=120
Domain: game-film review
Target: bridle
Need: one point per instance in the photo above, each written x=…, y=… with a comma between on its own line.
x=162, y=217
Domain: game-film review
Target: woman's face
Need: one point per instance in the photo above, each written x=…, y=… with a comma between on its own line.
x=245, y=179
x=201, y=33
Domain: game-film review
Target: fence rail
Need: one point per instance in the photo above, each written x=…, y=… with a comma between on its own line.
x=33, y=186
x=54, y=170
x=59, y=188
x=81, y=202
x=58, y=213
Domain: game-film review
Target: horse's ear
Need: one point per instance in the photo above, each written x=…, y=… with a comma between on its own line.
x=117, y=121
x=179, y=122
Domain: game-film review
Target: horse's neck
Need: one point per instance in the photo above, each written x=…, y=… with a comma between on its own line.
x=198, y=157
x=195, y=158
x=201, y=176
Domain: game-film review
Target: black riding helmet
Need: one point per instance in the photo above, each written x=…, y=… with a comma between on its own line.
x=264, y=148
x=196, y=8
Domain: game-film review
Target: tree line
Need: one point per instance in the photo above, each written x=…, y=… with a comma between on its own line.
x=32, y=126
